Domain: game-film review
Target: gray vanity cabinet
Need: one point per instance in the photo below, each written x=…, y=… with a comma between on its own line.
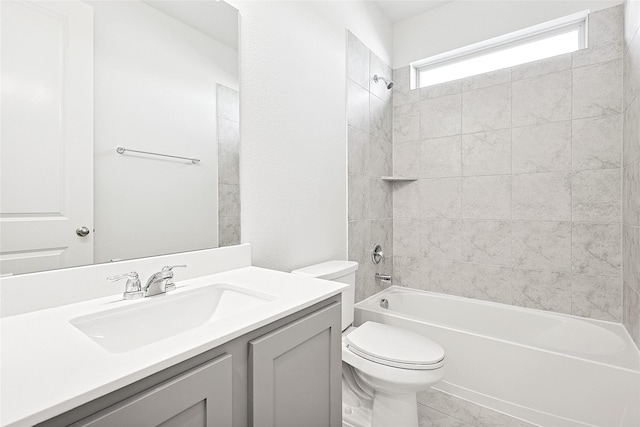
x=286, y=373
x=200, y=397
x=295, y=373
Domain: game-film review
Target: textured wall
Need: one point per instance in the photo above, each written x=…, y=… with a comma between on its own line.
x=293, y=166
x=631, y=173
x=369, y=119
x=519, y=193
x=228, y=115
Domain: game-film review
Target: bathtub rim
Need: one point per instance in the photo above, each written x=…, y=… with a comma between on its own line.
x=616, y=328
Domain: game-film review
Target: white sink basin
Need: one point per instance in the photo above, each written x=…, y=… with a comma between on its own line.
x=162, y=316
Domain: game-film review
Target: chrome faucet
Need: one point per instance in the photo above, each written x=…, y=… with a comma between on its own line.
x=132, y=290
x=160, y=282
x=384, y=278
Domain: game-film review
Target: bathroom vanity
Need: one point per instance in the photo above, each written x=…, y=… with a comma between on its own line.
x=267, y=354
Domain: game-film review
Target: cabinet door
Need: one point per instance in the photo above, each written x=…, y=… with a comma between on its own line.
x=200, y=397
x=295, y=373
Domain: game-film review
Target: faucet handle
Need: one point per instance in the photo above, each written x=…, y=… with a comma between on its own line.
x=169, y=268
x=133, y=289
x=169, y=285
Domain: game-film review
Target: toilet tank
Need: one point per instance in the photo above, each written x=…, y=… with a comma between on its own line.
x=338, y=271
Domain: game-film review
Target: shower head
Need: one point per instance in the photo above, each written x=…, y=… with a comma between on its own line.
x=388, y=83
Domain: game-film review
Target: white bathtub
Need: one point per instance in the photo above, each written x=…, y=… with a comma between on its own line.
x=545, y=368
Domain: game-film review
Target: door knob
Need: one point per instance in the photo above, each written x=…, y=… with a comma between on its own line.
x=82, y=231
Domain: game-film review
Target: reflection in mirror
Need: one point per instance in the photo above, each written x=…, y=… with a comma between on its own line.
x=81, y=78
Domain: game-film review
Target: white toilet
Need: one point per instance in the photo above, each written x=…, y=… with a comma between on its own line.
x=381, y=363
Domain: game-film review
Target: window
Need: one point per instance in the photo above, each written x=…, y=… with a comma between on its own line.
x=552, y=38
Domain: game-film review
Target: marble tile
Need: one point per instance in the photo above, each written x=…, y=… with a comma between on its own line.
x=228, y=103
x=631, y=256
x=542, y=196
x=597, y=90
x=492, y=78
x=596, y=195
x=381, y=118
x=596, y=142
x=381, y=199
x=486, y=109
x=542, y=99
x=380, y=158
x=406, y=237
x=486, y=197
x=544, y=290
x=357, y=106
x=440, y=198
x=228, y=135
x=542, y=67
x=357, y=61
x=487, y=282
x=441, y=276
x=358, y=236
x=439, y=90
x=228, y=152
x=228, y=200
x=466, y=411
x=440, y=239
x=542, y=148
x=631, y=194
x=406, y=271
x=359, y=197
x=382, y=234
x=402, y=93
x=440, y=116
x=486, y=242
x=228, y=231
x=631, y=313
x=358, y=160
x=440, y=157
x=378, y=67
x=596, y=297
x=541, y=245
x=428, y=417
x=486, y=153
x=406, y=199
x=406, y=159
x=595, y=249
x=631, y=148
x=406, y=123
x=605, y=37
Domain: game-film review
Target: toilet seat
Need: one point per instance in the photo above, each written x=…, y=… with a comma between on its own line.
x=394, y=347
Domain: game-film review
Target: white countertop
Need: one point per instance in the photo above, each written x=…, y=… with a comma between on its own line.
x=49, y=367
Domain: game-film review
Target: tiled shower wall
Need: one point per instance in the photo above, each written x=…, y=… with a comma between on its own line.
x=519, y=192
x=631, y=173
x=369, y=120
x=228, y=114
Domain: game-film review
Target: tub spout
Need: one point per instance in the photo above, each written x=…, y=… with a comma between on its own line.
x=384, y=278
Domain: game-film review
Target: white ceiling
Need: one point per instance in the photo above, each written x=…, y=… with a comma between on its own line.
x=399, y=10
x=216, y=19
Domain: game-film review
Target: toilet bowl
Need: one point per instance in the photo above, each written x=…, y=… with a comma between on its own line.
x=383, y=366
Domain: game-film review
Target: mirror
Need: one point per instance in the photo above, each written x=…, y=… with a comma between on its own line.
x=81, y=79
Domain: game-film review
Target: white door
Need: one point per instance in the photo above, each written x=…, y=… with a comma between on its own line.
x=46, y=142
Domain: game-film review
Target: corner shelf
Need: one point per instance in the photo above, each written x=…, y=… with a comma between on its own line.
x=399, y=178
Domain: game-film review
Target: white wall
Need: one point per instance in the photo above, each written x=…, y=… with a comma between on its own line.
x=155, y=90
x=293, y=170
x=461, y=23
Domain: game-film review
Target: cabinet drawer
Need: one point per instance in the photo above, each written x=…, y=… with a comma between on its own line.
x=200, y=397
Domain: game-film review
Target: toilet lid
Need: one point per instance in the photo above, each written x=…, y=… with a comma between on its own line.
x=393, y=346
